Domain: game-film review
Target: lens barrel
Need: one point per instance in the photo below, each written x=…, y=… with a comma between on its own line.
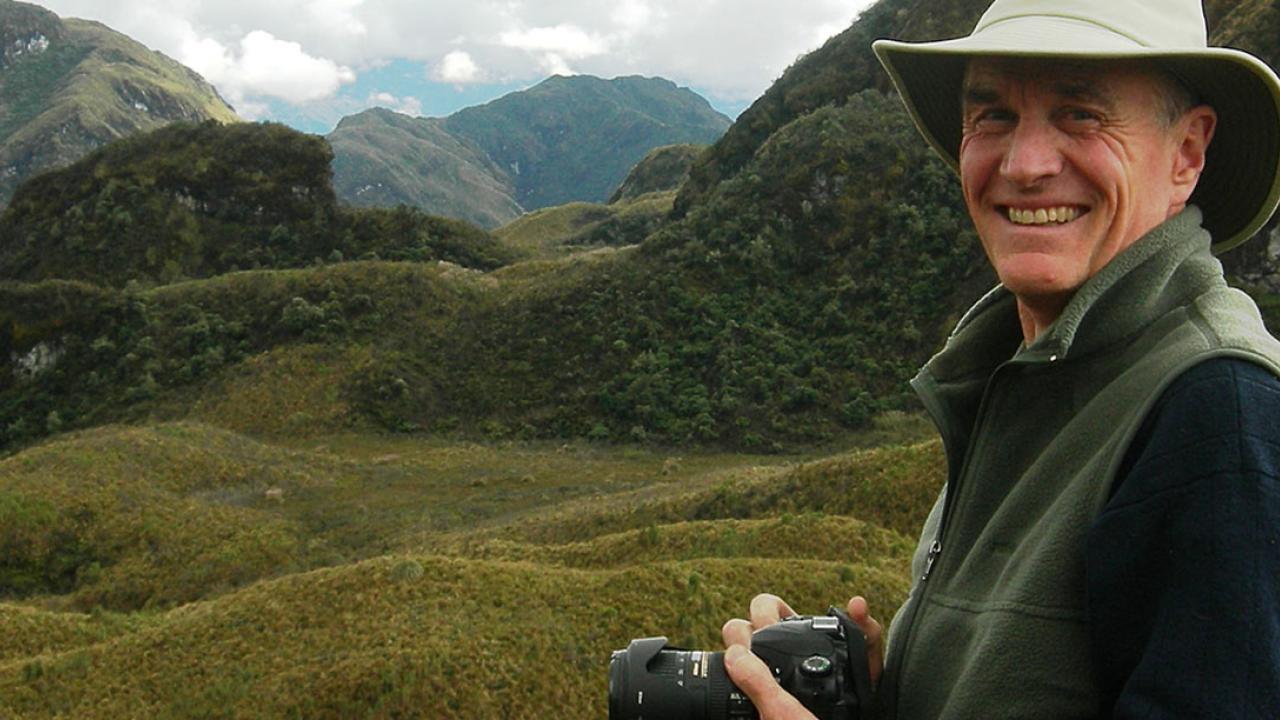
x=649, y=681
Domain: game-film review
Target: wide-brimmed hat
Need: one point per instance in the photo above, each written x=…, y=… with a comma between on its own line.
x=1240, y=186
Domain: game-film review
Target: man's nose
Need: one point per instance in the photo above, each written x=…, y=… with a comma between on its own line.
x=1032, y=154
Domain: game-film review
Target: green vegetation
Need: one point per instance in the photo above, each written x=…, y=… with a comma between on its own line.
x=192, y=201
x=567, y=229
x=385, y=159
x=665, y=168
x=384, y=578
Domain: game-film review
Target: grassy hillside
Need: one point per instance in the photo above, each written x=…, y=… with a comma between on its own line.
x=69, y=86
x=664, y=545
x=384, y=159
x=663, y=169
x=576, y=227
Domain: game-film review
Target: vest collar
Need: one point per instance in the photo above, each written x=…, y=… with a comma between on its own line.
x=1164, y=269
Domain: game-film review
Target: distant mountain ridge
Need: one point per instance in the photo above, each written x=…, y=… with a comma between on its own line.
x=70, y=86
x=566, y=139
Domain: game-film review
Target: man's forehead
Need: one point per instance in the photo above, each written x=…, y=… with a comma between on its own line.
x=993, y=71
x=1067, y=75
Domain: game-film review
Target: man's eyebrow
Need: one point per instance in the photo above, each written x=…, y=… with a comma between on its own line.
x=1084, y=91
x=979, y=95
x=1077, y=90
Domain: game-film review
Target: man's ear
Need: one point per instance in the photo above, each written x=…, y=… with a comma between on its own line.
x=1193, y=132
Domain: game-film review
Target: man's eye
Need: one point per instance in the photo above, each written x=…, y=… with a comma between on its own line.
x=987, y=117
x=1081, y=116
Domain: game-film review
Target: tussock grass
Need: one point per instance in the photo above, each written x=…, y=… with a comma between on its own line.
x=293, y=391
x=892, y=487
x=809, y=537
x=31, y=632
x=465, y=639
x=411, y=578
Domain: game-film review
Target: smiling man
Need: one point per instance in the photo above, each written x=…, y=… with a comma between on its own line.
x=1108, y=540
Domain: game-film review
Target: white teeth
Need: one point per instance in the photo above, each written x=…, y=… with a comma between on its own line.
x=1042, y=216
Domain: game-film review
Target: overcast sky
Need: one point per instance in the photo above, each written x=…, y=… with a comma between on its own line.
x=310, y=62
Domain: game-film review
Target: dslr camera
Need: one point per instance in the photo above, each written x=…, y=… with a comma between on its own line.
x=821, y=660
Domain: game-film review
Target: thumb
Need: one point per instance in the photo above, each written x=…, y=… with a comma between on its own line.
x=754, y=678
x=874, y=632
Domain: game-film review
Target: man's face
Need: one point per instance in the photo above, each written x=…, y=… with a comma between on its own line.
x=1064, y=165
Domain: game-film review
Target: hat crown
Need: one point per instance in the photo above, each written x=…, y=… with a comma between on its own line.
x=1148, y=23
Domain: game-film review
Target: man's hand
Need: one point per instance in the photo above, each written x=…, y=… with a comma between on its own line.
x=754, y=678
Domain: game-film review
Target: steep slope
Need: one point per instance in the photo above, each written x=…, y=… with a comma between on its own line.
x=576, y=138
x=665, y=168
x=69, y=86
x=385, y=159
x=191, y=201
x=565, y=139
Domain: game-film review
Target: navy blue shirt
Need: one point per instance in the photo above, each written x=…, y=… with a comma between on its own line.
x=1184, y=561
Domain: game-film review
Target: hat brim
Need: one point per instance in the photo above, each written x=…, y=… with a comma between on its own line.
x=1240, y=186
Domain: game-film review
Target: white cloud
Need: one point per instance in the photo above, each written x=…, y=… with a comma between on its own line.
x=407, y=105
x=563, y=40
x=338, y=17
x=458, y=68
x=264, y=66
x=282, y=69
x=554, y=47
x=731, y=48
x=635, y=15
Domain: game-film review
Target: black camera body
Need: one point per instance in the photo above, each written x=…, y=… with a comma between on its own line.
x=821, y=660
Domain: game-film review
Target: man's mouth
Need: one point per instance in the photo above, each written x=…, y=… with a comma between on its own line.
x=1042, y=216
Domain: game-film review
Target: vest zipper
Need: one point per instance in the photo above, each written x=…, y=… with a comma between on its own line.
x=889, y=703
x=934, y=551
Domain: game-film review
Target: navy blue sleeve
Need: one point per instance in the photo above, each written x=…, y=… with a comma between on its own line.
x=1184, y=561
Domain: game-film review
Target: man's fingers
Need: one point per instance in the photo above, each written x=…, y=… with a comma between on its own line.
x=737, y=632
x=768, y=609
x=859, y=612
x=755, y=679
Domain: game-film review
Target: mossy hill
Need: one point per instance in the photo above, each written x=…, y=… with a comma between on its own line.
x=386, y=159
x=69, y=86
x=665, y=168
x=195, y=201
x=640, y=205
x=566, y=139
x=149, y=572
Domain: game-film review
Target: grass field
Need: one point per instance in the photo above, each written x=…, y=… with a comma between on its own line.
x=389, y=577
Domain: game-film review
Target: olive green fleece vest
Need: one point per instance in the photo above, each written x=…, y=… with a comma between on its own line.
x=1033, y=438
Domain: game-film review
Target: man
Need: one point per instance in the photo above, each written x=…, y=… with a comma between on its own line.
x=1108, y=541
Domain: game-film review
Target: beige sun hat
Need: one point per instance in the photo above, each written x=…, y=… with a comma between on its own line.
x=1240, y=186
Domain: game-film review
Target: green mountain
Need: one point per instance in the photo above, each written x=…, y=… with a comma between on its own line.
x=69, y=86
x=566, y=139
x=638, y=207
x=665, y=168
x=195, y=201
x=385, y=159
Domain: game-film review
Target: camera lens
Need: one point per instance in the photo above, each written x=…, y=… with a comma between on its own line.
x=649, y=681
